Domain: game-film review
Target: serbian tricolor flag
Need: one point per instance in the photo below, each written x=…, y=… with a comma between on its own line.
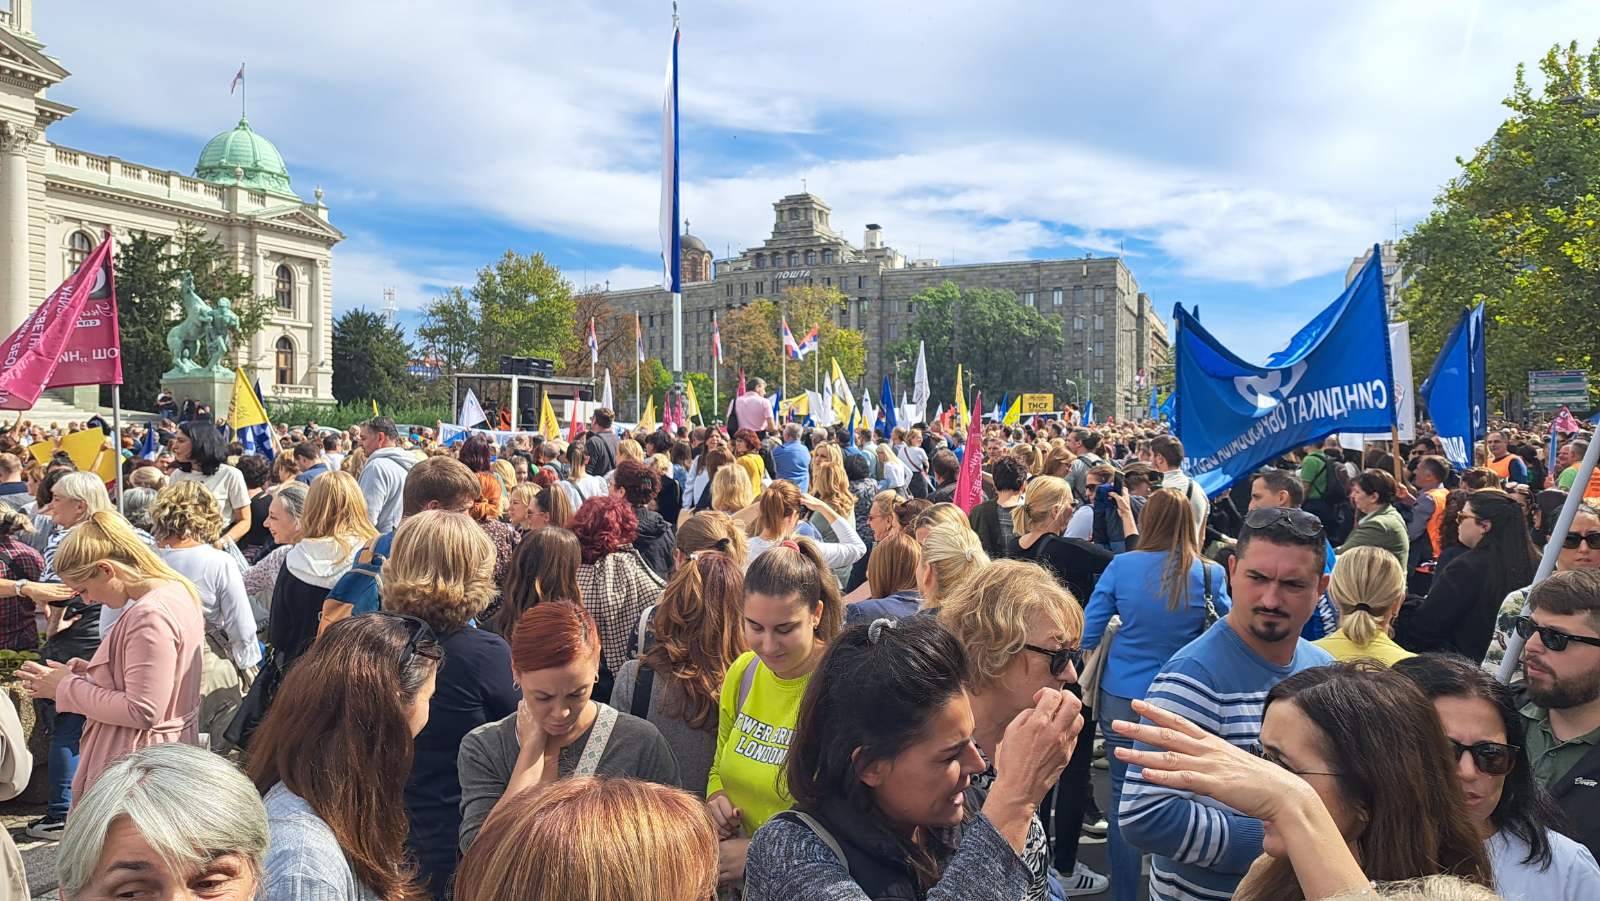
x=716, y=339
x=638, y=338
x=594, y=344
x=807, y=345
x=70, y=339
x=238, y=79
x=790, y=346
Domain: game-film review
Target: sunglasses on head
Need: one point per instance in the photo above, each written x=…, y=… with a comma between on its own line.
x=1299, y=523
x=1573, y=539
x=420, y=638
x=1060, y=658
x=1489, y=757
x=1553, y=638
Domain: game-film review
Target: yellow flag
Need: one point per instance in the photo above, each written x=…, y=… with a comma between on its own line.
x=961, y=402
x=691, y=402
x=374, y=408
x=844, y=401
x=647, y=419
x=549, y=426
x=90, y=452
x=246, y=410
x=1014, y=414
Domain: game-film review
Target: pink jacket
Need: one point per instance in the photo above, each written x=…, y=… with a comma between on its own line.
x=143, y=685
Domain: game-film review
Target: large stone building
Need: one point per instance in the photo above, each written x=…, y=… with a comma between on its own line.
x=1111, y=337
x=56, y=202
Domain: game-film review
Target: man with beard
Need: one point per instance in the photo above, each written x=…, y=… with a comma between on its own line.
x=1561, y=665
x=1220, y=682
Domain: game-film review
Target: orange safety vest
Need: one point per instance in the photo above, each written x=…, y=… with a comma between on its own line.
x=1502, y=467
x=1436, y=521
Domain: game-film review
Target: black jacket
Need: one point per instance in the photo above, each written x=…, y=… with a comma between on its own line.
x=1459, y=612
x=600, y=448
x=655, y=542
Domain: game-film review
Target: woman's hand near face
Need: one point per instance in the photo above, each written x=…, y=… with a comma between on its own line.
x=1035, y=749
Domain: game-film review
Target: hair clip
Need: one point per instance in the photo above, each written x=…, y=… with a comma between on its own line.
x=875, y=631
x=791, y=544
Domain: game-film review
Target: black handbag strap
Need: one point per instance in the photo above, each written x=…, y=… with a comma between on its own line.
x=640, y=705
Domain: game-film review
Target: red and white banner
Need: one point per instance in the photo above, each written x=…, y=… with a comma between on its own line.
x=77, y=321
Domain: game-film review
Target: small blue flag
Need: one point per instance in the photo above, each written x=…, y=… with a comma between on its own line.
x=1455, y=394
x=150, y=447
x=890, y=422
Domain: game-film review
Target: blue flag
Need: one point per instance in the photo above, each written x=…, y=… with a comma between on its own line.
x=1169, y=407
x=890, y=422
x=1454, y=393
x=1155, y=408
x=1334, y=375
x=1088, y=412
x=150, y=447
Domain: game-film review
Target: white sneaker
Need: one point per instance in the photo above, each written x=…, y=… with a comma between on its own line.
x=1083, y=881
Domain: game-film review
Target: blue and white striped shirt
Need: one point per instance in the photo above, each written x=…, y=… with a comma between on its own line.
x=1200, y=848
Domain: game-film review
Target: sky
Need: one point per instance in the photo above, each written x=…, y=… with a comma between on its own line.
x=1239, y=156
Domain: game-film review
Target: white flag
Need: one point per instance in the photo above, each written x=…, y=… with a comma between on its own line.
x=471, y=411
x=919, y=387
x=605, y=395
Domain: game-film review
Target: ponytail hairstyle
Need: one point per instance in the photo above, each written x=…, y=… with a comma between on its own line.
x=892, y=565
x=778, y=502
x=1041, y=503
x=1367, y=584
x=105, y=537
x=710, y=530
x=554, y=503
x=955, y=555
x=794, y=569
x=698, y=632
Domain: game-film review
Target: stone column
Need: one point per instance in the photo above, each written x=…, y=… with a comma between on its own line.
x=14, y=143
x=317, y=310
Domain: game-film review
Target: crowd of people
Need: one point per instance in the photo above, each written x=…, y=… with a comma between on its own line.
x=782, y=663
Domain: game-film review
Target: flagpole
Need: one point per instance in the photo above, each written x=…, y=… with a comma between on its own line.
x=716, y=366
x=816, y=370
x=116, y=438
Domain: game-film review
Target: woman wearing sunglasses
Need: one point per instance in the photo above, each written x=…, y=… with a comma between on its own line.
x=332, y=757
x=1580, y=549
x=1511, y=812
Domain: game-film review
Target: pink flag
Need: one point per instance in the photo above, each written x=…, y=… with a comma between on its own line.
x=969, y=484
x=28, y=358
x=1565, y=423
x=93, y=355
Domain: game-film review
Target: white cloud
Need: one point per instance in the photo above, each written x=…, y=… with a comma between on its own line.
x=364, y=268
x=1259, y=144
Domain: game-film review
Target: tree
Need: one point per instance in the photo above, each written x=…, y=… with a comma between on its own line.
x=997, y=340
x=520, y=306
x=372, y=357
x=147, y=303
x=701, y=382
x=1519, y=230
x=752, y=337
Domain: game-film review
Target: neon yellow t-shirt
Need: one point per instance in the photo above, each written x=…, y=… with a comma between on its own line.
x=1382, y=649
x=753, y=743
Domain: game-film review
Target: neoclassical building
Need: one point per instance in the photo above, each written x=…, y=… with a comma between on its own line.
x=57, y=202
x=1112, y=340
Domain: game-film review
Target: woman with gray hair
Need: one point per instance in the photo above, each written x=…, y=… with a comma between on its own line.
x=170, y=820
x=136, y=504
x=283, y=521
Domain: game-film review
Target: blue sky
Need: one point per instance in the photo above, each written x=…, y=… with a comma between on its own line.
x=1240, y=154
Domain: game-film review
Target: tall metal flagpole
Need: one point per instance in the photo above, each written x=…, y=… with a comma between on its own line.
x=116, y=440
x=1552, y=550
x=671, y=215
x=638, y=366
x=716, y=368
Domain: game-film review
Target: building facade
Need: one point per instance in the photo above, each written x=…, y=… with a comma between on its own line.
x=1112, y=340
x=57, y=202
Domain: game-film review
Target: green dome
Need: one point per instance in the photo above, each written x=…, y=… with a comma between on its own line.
x=242, y=148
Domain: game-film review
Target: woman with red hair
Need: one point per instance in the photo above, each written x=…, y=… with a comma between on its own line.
x=616, y=584
x=477, y=453
x=559, y=730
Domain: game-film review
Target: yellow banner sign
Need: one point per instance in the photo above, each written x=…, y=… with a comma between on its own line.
x=1038, y=403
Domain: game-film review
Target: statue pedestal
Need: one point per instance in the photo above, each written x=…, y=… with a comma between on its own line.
x=203, y=386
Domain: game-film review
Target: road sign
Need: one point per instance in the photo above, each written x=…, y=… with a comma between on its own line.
x=1038, y=403
x=1553, y=389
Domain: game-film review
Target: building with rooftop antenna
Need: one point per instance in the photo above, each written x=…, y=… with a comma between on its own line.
x=56, y=203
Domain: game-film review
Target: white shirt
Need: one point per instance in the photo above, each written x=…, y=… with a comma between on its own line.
x=1081, y=525
x=585, y=487
x=1181, y=483
x=222, y=597
x=227, y=486
x=845, y=552
x=1572, y=875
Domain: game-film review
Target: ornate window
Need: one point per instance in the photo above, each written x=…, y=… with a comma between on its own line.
x=761, y=261
x=283, y=288
x=79, y=247
x=285, y=360
x=811, y=258
x=827, y=257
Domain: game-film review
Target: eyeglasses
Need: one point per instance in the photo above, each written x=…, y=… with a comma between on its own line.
x=1463, y=516
x=420, y=638
x=1573, y=539
x=1060, y=658
x=1271, y=756
x=1489, y=757
x=1300, y=524
x=1553, y=638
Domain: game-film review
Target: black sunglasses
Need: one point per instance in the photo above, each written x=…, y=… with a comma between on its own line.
x=1489, y=757
x=420, y=638
x=1553, y=638
x=1573, y=539
x=1262, y=751
x=1060, y=658
x=1299, y=523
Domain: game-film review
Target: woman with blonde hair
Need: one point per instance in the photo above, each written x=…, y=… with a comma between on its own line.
x=731, y=490
x=892, y=584
x=1030, y=457
x=186, y=521
x=592, y=837
x=1369, y=587
x=951, y=554
x=714, y=460
x=830, y=484
x=142, y=687
x=778, y=513
x=937, y=515
x=895, y=474
x=881, y=516
x=710, y=530
x=694, y=635
x=521, y=502
x=354, y=462
x=629, y=449
x=440, y=571
x=333, y=530
x=1058, y=462
x=1038, y=524
x=551, y=507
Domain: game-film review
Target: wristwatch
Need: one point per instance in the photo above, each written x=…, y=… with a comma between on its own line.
x=22, y=586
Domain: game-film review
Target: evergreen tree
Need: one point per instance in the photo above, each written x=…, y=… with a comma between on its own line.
x=372, y=357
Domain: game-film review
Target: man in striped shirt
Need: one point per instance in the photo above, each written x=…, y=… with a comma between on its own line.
x=1201, y=849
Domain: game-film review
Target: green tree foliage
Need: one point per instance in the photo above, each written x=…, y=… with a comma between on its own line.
x=702, y=392
x=147, y=303
x=998, y=341
x=1519, y=230
x=372, y=357
x=520, y=306
x=752, y=337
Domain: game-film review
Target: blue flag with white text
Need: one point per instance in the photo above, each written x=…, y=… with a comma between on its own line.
x=1455, y=393
x=1088, y=412
x=1334, y=375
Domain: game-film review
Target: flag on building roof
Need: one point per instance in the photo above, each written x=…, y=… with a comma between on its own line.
x=238, y=79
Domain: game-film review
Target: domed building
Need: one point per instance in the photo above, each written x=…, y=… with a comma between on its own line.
x=57, y=202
